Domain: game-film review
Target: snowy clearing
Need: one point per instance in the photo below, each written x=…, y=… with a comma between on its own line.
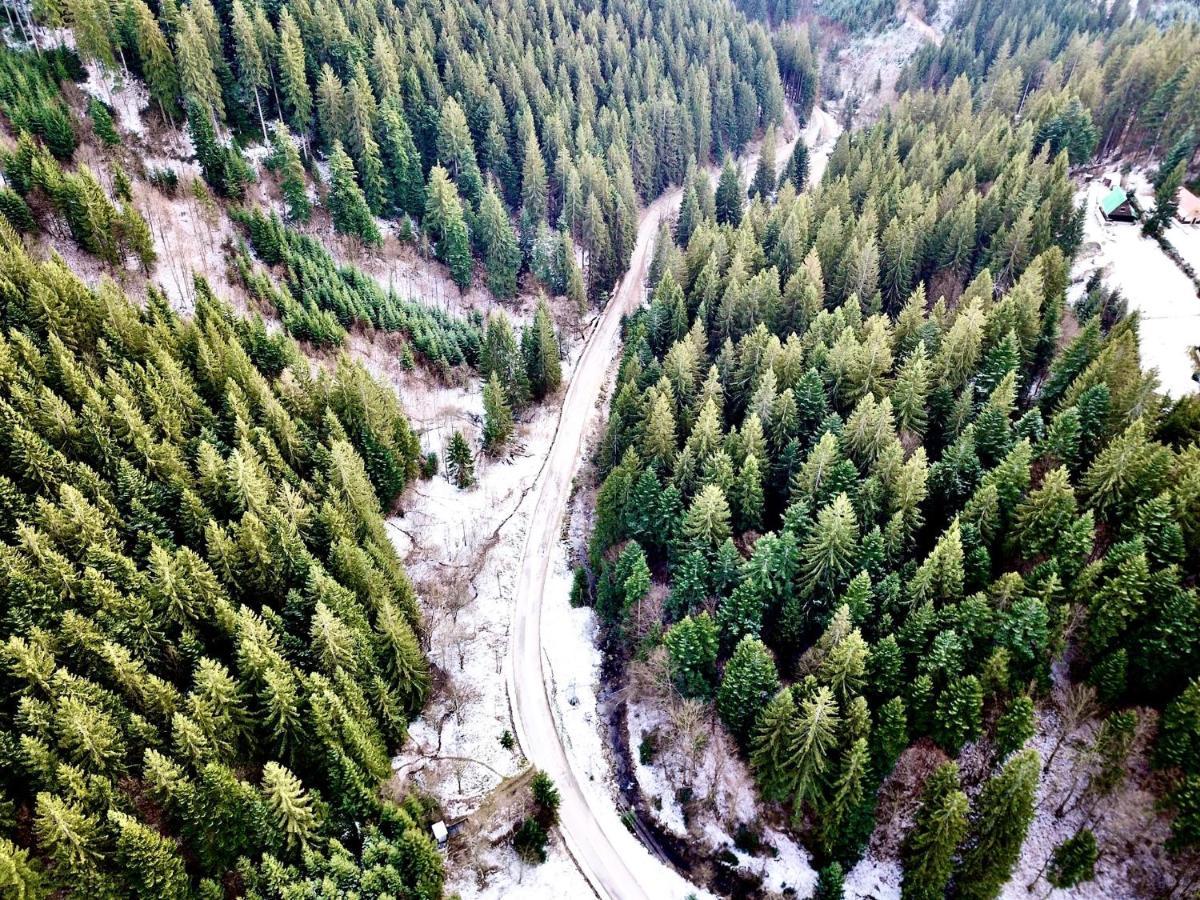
x=1151, y=283
x=127, y=96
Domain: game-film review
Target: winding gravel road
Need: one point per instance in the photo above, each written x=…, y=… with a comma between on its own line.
x=614, y=862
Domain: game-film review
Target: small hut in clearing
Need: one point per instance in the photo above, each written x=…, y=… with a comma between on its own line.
x=1116, y=206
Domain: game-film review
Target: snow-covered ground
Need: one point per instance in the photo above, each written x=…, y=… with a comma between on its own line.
x=878, y=58
x=462, y=549
x=1151, y=283
x=693, y=751
x=1186, y=239
x=873, y=879
x=821, y=135
x=127, y=96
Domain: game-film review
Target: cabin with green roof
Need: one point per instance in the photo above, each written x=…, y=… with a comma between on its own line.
x=1116, y=206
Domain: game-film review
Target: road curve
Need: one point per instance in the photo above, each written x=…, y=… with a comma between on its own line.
x=614, y=862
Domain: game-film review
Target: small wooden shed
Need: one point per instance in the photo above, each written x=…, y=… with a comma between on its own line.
x=1117, y=207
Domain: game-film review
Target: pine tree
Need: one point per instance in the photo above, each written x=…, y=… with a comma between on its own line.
x=135, y=236
x=501, y=253
x=460, y=462
x=534, y=191
x=102, y=123
x=456, y=151
x=539, y=345
x=1002, y=814
x=1074, y=860
x=252, y=67
x=812, y=740
x=830, y=883
x=197, y=79
x=763, y=184
x=347, y=205
x=938, y=828
x=959, y=713
x=1166, y=201
x=289, y=804
x=286, y=160
x=293, y=83
x=845, y=798
x=497, y=417
x=402, y=161
x=688, y=218
x=692, y=648
x=830, y=553
x=749, y=493
x=770, y=747
x=797, y=166
x=748, y=684
x=331, y=102
x=158, y=64
x=729, y=195
x=1015, y=726
x=445, y=222
x=706, y=524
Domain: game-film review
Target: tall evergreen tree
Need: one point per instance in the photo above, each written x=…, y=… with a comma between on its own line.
x=1001, y=816
x=938, y=828
x=347, y=205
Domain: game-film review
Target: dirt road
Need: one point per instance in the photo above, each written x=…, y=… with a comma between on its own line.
x=610, y=857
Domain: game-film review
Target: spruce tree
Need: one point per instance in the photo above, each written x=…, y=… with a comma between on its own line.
x=771, y=747
x=460, y=461
x=292, y=183
x=347, y=206
x=158, y=64
x=749, y=682
x=539, y=345
x=1015, y=726
x=197, y=79
x=1001, y=816
x=1166, y=200
x=763, y=184
x=797, y=166
x=692, y=648
x=1074, y=860
x=445, y=222
x=293, y=83
x=497, y=417
x=938, y=828
x=501, y=253
x=729, y=194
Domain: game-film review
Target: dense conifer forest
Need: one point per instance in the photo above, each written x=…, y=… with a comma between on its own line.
x=209, y=644
x=870, y=484
x=887, y=492
x=565, y=115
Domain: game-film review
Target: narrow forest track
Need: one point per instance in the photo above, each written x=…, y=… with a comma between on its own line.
x=614, y=862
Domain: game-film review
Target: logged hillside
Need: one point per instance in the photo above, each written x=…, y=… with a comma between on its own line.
x=208, y=643
x=566, y=115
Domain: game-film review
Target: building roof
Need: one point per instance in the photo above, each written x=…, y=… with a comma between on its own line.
x=1113, y=199
x=1189, y=203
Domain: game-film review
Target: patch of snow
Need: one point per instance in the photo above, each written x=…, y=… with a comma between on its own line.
x=873, y=879
x=821, y=136
x=126, y=95
x=1129, y=828
x=506, y=876
x=722, y=785
x=462, y=549
x=1186, y=240
x=881, y=56
x=1152, y=284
